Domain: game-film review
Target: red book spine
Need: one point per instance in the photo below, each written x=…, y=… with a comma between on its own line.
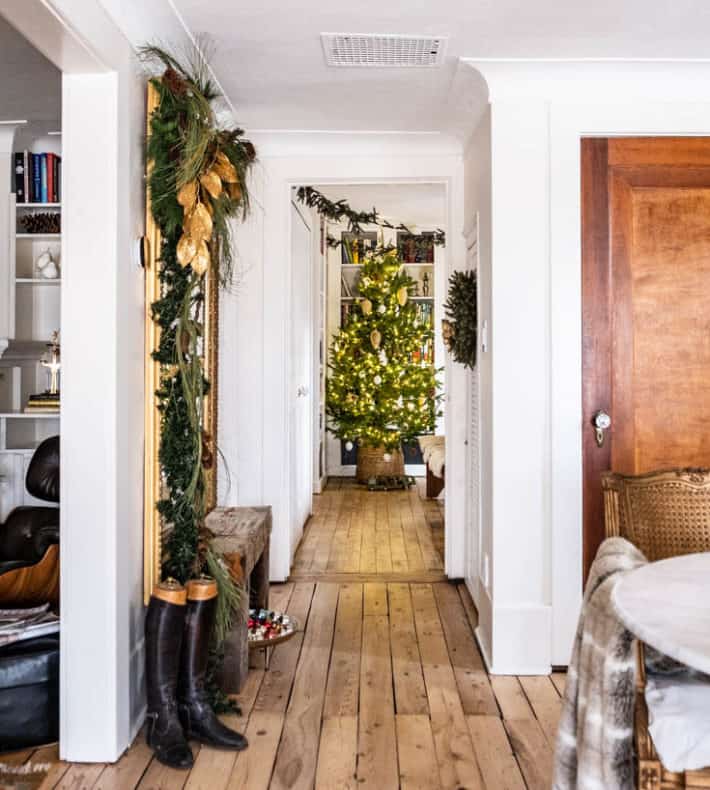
x=50, y=178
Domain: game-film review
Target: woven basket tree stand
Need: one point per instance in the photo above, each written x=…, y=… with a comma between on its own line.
x=371, y=463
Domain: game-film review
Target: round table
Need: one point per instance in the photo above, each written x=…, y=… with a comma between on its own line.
x=666, y=604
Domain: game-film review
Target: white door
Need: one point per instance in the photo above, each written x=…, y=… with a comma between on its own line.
x=301, y=377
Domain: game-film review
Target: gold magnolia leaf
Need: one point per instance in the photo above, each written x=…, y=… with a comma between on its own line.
x=202, y=259
x=212, y=183
x=375, y=338
x=402, y=296
x=235, y=191
x=186, y=250
x=366, y=306
x=225, y=169
x=200, y=223
x=187, y=196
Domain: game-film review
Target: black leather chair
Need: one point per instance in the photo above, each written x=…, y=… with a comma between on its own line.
x=29, y=538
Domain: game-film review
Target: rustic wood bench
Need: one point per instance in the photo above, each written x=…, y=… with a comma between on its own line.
x=242, y=535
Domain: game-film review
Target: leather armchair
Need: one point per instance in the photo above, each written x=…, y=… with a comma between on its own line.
x=29, y=538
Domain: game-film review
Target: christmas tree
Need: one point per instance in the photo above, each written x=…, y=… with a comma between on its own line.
x=382, y=385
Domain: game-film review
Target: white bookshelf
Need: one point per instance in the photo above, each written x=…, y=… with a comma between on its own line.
x=30, y=311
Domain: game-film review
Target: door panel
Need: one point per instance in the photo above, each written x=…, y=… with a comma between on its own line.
x=646, y=333
x=300, y=380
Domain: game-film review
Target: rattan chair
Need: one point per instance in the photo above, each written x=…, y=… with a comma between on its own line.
x=664, y=514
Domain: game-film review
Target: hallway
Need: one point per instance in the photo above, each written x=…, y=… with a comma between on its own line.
x=385, y=687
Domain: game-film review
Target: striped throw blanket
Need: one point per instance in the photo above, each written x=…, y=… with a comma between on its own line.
x=595, y=739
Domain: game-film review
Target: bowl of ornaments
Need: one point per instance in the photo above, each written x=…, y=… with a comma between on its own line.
x=267, y=627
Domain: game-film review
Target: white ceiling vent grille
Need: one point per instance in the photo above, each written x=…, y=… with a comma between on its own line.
x=376, y=51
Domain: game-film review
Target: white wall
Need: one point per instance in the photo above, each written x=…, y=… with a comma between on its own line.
x=535, y=460
x=241, y=344
x=102, y=374
x=299, y=158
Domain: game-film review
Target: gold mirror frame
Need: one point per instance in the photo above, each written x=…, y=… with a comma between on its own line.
x=153, y=486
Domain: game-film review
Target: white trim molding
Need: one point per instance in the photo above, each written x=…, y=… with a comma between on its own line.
x=536, y=108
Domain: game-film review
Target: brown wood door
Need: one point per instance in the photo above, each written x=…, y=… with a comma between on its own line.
x=645, y=310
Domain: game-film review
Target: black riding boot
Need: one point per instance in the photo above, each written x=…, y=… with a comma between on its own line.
x=164, y=626
x=198, y=719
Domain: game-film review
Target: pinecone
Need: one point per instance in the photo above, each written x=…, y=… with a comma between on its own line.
x=44, y=222
x=174, y=82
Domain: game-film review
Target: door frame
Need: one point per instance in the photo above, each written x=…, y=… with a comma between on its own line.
x=344, y=159
x=569, y=123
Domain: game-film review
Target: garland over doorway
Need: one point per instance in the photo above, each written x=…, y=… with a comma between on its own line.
x=339, y=211
x=197, y=180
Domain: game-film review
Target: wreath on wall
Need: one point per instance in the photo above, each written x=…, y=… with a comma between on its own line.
x=460, y=327
x=198, y=183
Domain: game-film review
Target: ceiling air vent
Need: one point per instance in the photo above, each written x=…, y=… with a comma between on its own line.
x=376, y=51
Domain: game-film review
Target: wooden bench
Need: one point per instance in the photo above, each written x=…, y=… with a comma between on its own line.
x=242, y=535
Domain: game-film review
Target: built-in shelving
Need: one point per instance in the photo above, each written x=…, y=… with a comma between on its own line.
x=30, y=311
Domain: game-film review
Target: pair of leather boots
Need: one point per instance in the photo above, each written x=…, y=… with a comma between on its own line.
x=178, y=626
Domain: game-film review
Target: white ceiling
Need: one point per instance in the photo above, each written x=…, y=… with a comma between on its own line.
x=30, y=86
x=269, y=60
x=413, y=205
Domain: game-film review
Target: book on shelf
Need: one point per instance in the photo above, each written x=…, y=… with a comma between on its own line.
x=345, y=309
x=43, y=403
x=20, y=178
x=37, y=177
x=346, y=289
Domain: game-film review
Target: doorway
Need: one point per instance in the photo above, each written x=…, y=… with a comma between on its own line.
x=412, y=214
x=645, y=350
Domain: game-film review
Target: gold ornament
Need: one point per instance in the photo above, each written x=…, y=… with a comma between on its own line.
x=186, y=250
x=212, y=183
x=202, y=259
x=187, y=196
x=366, y=306
x=375, y=338
x=402, y=296
x=225, y=169
x=200, y=223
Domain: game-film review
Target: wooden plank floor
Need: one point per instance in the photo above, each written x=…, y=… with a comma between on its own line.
x=385, y=688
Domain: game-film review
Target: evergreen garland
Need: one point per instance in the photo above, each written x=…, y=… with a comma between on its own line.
x=197, y=184
x=461, y=328
x=339, y=211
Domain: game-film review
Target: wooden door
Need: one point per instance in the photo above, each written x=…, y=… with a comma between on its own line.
x=645, y=308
